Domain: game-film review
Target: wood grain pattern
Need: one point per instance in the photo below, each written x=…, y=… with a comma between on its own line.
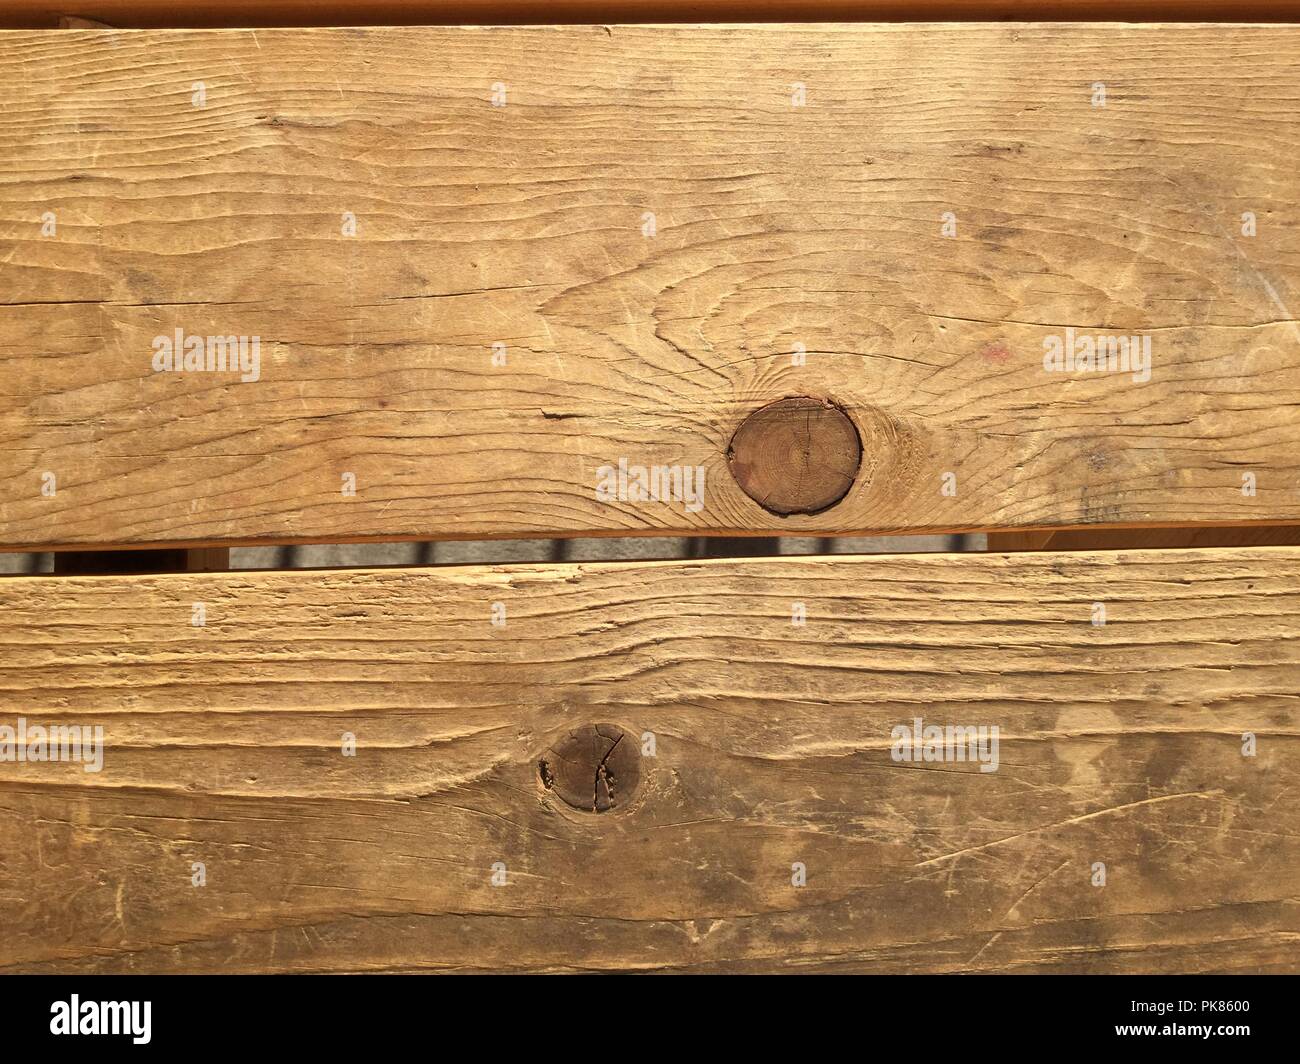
x=1119, y=744
x=775, y=226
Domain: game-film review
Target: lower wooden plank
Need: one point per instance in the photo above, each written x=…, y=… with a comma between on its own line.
x=774, y=750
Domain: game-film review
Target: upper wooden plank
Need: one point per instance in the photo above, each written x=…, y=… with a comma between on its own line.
x=773, y=744
x=203, y=181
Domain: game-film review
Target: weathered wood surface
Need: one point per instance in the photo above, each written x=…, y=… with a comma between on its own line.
x=775, y=225
x=1119, y=744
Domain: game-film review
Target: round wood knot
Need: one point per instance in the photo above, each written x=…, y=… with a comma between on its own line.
x=796, y=456
x=594, y=768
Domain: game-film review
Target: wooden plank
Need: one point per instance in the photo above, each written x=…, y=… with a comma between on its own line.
x=1120, y=744
x=524, y=225
x=163, y=13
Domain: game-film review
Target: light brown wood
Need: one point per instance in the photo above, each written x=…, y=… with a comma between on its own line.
x=1120, y=744
x=523, y=225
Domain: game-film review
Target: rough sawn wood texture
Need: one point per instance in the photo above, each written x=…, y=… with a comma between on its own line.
x=1119, y=744
x=778, y=229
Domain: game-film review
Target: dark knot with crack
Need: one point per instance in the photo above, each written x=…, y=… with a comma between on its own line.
x=594, y=768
